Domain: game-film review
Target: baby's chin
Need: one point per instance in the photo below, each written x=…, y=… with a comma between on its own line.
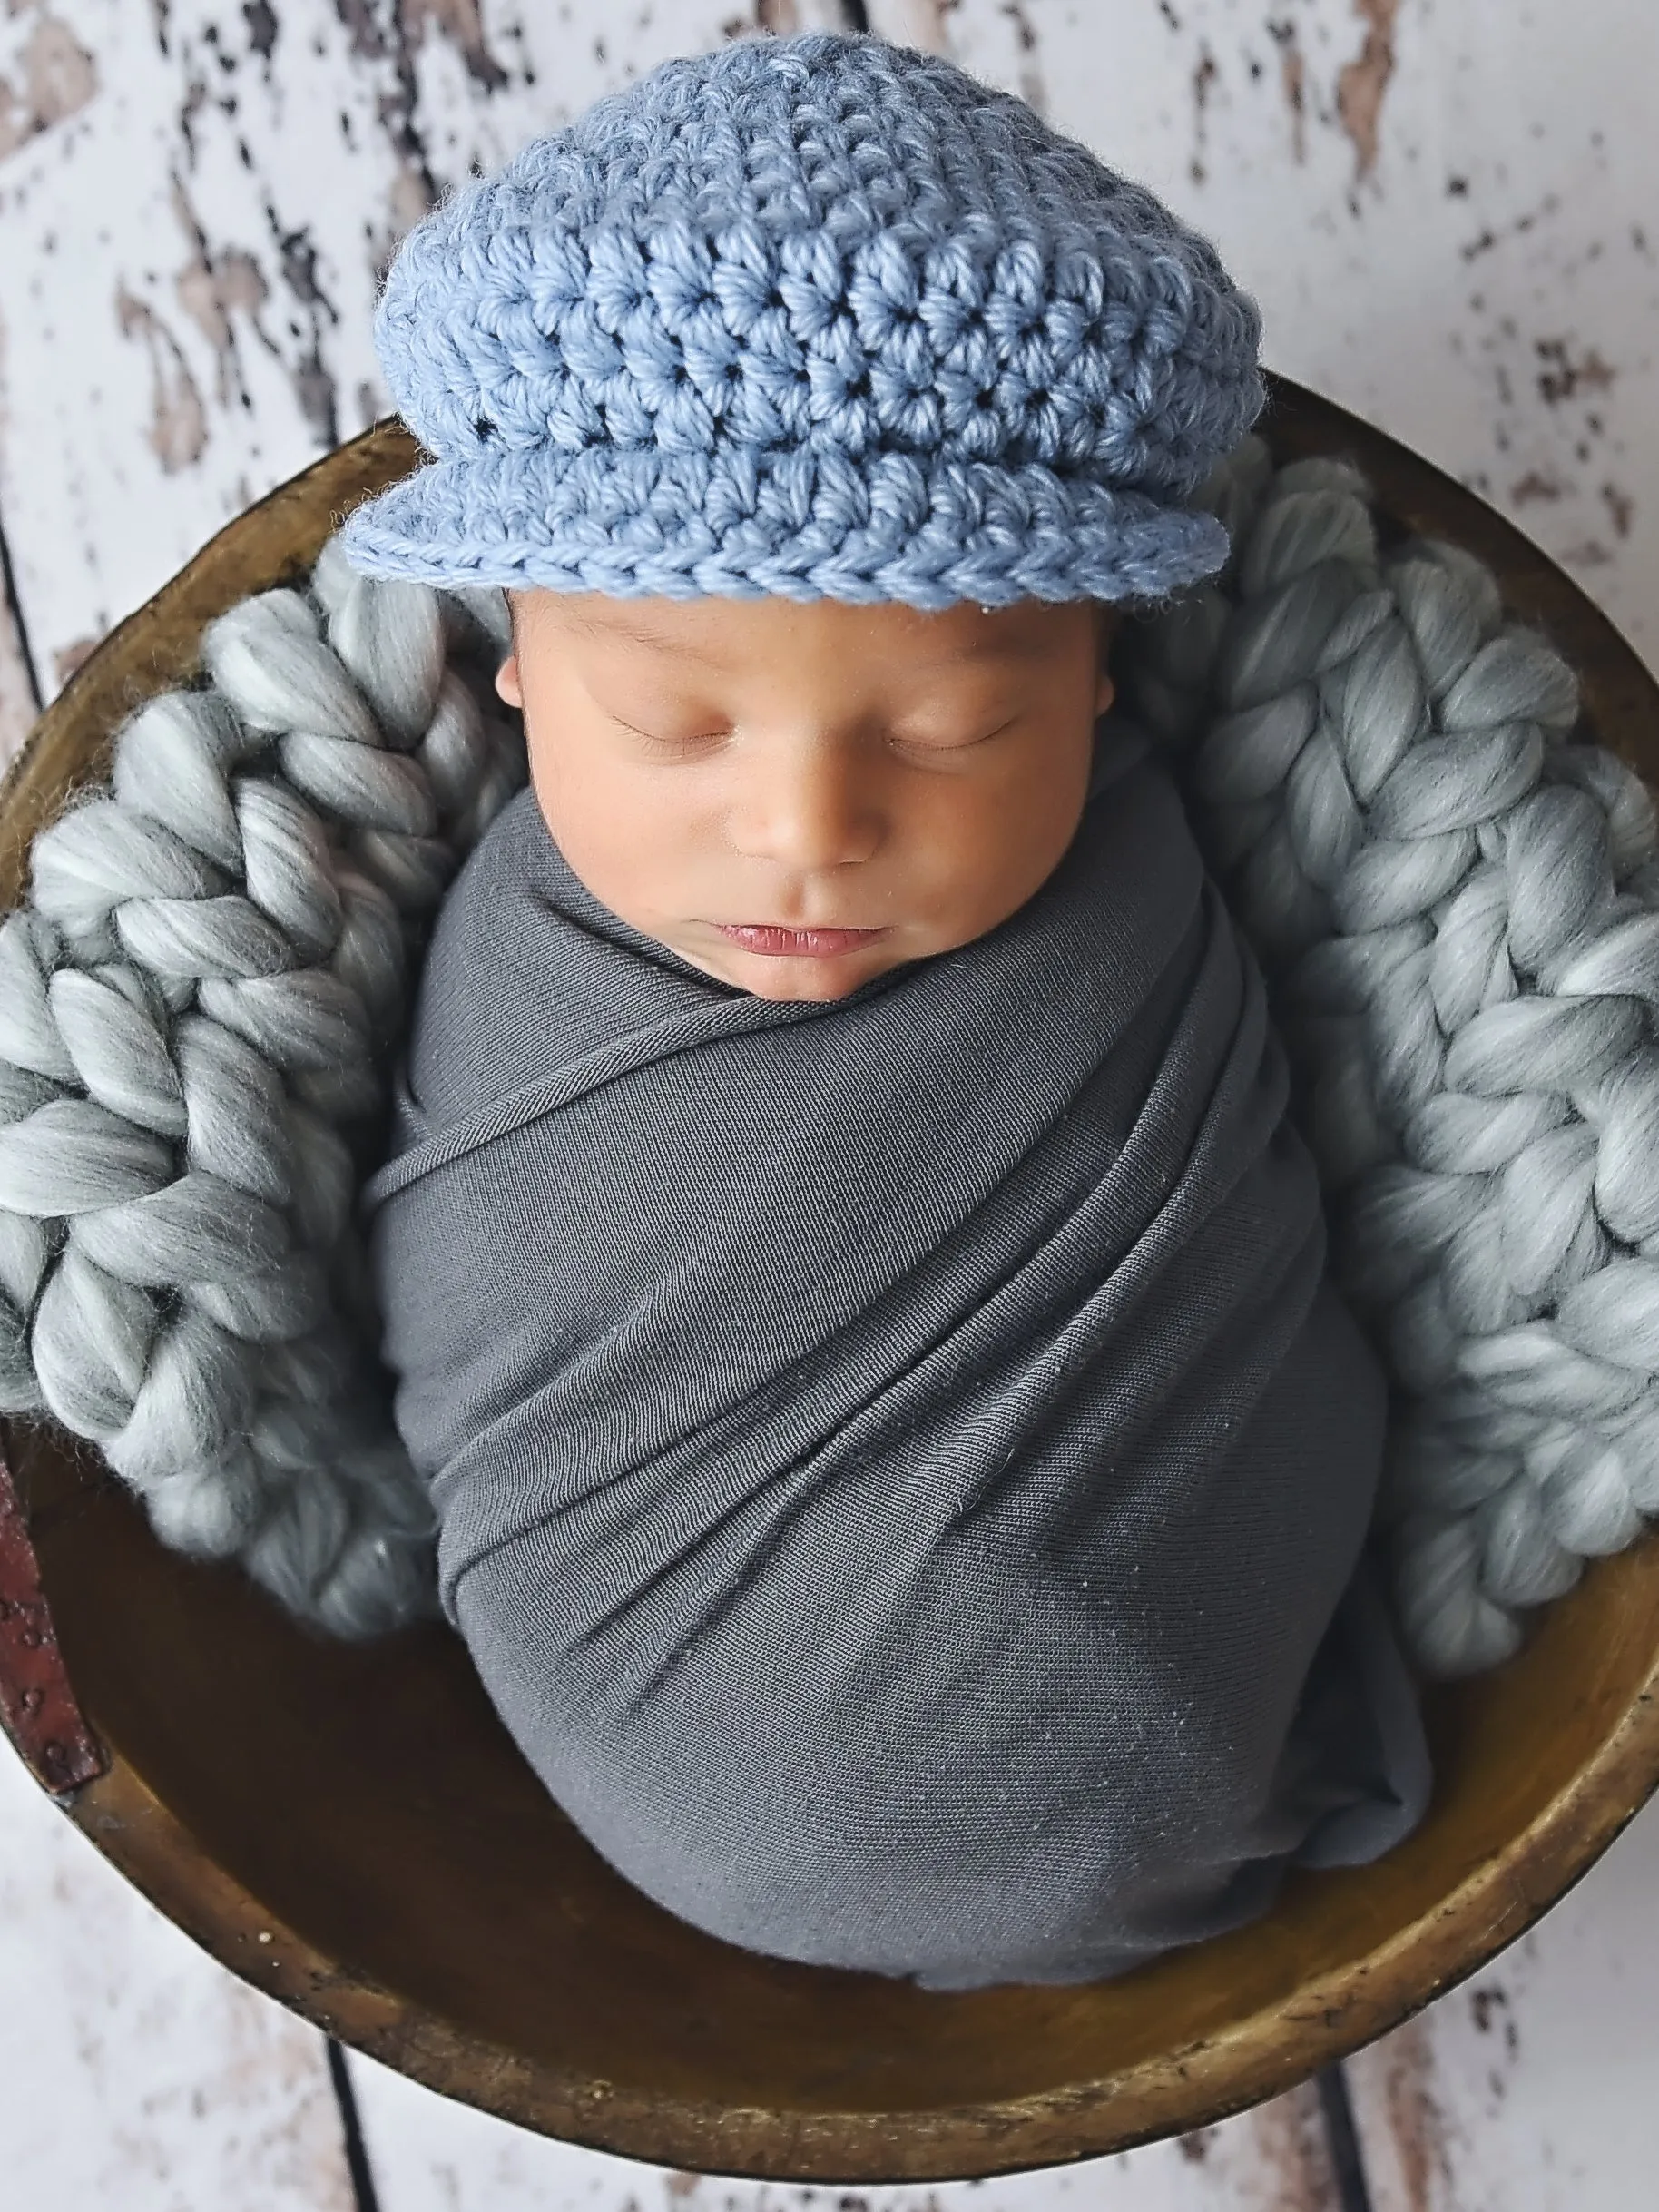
x=808, y=981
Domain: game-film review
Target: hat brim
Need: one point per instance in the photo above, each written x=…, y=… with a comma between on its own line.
x=789, y=521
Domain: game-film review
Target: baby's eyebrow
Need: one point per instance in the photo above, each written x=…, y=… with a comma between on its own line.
x=1000, y=647
x=629, y=634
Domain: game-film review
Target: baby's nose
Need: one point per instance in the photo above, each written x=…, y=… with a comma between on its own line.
x=807, y=805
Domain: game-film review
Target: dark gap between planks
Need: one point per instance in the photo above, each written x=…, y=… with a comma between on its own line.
x=351, y=2128
x=1343, y=2139
x=8, y=592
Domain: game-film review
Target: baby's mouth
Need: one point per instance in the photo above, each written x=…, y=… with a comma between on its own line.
x=814, y=944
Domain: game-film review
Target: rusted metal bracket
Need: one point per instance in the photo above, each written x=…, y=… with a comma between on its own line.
x=37, y=1705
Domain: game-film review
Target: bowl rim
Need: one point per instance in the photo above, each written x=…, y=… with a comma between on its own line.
x=1260, y=2054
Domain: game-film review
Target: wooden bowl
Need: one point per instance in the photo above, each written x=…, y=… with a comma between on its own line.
x=352, y=1830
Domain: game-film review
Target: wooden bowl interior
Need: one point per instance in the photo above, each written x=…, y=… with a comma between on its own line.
x=354, y=1828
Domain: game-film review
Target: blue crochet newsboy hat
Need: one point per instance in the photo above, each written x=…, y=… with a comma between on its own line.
x=819, y=316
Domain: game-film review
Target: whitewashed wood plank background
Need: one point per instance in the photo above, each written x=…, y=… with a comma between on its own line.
x=1450, y=211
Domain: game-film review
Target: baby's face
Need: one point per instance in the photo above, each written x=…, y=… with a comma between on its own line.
x=713, y=765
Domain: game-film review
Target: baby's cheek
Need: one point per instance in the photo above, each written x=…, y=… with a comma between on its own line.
x=1020, y=850
x=617, y=845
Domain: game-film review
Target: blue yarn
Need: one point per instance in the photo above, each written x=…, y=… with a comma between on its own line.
x=816, y=316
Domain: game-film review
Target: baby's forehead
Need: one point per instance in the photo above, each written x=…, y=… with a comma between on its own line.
x=718, y=630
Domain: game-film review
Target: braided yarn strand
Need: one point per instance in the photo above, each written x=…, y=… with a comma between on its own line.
x=1454, y=904
x=200, y=1005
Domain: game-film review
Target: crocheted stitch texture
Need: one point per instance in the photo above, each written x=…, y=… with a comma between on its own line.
x=816, y=316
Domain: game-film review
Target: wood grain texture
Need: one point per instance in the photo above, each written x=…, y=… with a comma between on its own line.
x=20, y=699
x=134, y=2073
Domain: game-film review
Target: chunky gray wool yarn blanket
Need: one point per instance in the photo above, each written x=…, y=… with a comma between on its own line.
x=1454, y=902
x=199, y=1003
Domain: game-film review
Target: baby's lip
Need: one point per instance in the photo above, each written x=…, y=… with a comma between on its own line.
x=781, y=938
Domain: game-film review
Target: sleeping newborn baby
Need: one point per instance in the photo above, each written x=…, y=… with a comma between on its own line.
x=851, y=1282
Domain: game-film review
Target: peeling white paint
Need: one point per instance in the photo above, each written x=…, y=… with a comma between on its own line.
x=53, y=78
x=1449, y=213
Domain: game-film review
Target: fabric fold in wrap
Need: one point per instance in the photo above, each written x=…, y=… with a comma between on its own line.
x=902, y=1469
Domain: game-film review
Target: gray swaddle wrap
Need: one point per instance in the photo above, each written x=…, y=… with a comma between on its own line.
x=899, y=1460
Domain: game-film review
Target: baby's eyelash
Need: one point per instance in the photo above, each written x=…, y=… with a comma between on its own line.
x=966, y=743
x=673, y=742
x=675, y=745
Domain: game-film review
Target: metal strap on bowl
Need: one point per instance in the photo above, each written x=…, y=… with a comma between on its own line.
x=37, y=1705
